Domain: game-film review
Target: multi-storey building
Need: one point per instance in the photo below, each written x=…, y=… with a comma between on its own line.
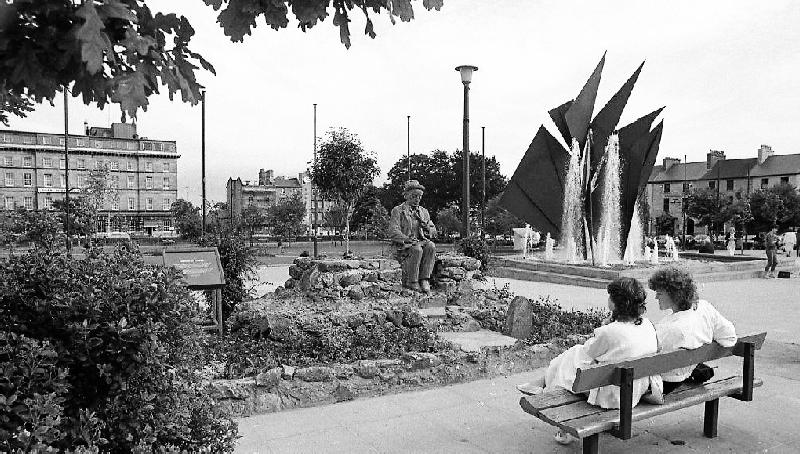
x=270, y=190
x=734, y=179
x=142, y=174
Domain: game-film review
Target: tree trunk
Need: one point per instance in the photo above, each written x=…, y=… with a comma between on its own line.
x=348, y=214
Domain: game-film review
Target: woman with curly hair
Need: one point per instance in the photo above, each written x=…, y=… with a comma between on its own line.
x=626, y=334
x=692, y=324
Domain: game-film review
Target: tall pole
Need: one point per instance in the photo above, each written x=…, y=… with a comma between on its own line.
x=408, y=143
x=203, y=160
x=67, y=223
x=683, y=201
x=483, y=180
x=465, y=158
x=313, y=190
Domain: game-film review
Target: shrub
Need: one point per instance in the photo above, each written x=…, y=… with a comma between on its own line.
x=475, y=247
x=124, y=332
x=238, y=266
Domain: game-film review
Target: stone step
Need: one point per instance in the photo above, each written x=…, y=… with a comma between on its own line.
x=475, y=340
x=433, y=312
x=550, y=277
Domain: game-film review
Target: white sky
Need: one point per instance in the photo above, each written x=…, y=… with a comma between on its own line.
x=726, y=70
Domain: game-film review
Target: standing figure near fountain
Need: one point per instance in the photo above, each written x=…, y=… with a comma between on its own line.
x=731, y=243
x=654, y=254
x=548, y=247
x=670, y=248
x=526, y=243
x=411, y=230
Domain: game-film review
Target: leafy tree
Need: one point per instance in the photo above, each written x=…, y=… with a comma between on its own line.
x=40, y=227
x=238, y=264
x=369, y=215
x=252, y=219
x=80, y=215
x=187, y=219
x=768, y=208
x=286, y=216
x=708, y=208
x=665, y=224
x=342, y=172
x=441, y=174
x=500, y=221
x=335, y=218
x=218, y=217
x=98, y=194
x=448, y=220
x=117, y=50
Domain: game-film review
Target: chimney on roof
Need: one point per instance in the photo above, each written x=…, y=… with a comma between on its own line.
x=713, y=156
x=123, y=130
x=85, y=128
x=265, y=177
x=669, y=162
x=764, y=152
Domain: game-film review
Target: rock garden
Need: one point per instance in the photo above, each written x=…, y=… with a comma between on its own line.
x=338, y=330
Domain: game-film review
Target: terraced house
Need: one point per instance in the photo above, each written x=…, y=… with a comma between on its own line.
x=731, y=178
x=142, y=174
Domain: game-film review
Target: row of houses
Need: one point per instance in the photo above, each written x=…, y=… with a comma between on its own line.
x=732, y=178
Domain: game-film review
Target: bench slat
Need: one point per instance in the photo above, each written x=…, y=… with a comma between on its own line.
x=604, y=420
x=553, y=398
x=606, y=374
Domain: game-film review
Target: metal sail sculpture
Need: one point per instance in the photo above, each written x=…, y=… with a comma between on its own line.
x=536, y=191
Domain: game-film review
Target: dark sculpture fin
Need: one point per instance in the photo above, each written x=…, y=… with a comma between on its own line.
x=605, y=122
x=557, y=115
x=580, y=112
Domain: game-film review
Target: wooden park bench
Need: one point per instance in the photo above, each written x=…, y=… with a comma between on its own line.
x=572, y=414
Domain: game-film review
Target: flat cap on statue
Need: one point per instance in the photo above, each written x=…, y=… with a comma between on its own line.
x=410, y=185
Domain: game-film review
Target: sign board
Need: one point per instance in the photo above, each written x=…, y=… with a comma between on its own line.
x=202, y=268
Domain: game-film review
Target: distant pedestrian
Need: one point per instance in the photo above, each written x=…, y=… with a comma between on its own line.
x=771, y=248
x=789, y=240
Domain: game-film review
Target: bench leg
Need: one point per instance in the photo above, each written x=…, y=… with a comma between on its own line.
x=591, y=444
x=710, y=419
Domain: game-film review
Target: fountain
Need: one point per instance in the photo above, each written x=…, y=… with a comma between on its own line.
x=596, y=182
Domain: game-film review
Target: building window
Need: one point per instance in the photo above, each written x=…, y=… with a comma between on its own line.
x=250, y=199
x=784, y=180
x=148, y=166
x=48, y=180
x=8, y=160
x=28, y=203
x=166, y=167
x=62, y=181
x=167, y=224
x=81, y=181
x=27, y=179
x=764, y=183
x=114, y=165
x=97, y=165
x=149, y=204
x=115, y=205
x=27, y=161
x=729, y=185
x=166, y=182
x=81, y=163
x=712, y=184
x=9, y=179
x=114, y=181
x=48, y=203
x=666, y=205
x=685, y=187
x=130, y=181
x=131, y=203
x=738, y=195
x=47, y=162
x=130, y=166
x=666, y=188
x=9, y=203
x=165, y=204
x=148, y=182
x=62, y=163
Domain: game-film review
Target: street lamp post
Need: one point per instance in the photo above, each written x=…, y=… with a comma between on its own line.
x=483, y=180
x=466, y=77
x=683, y=201
x=408, y=145
x=203, y=160
x=313, y=190
x=68, y=224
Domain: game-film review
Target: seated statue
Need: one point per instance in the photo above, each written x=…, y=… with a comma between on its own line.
x=411, y=230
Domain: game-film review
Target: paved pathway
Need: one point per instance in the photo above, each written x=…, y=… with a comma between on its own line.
x=484, y=416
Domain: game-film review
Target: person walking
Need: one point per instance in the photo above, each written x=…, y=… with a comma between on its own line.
x=771, y=248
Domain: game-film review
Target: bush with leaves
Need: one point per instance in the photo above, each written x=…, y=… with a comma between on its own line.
x=238, y=265
x=124, y=332
x=475, y=247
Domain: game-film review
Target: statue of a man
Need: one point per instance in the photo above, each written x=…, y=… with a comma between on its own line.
x=411, y=230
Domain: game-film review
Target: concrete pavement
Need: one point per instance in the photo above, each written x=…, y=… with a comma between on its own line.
x=484, y=416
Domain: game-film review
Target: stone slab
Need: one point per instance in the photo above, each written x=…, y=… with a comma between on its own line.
x=474, y=341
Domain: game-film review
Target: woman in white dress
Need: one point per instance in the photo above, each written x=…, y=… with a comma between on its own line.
x=692, y=324
x=626, y=334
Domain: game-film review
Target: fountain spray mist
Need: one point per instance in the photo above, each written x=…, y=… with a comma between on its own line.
x=607, y=238
x=571, y=221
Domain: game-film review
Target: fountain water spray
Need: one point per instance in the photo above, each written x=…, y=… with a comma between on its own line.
x=572, y=219
x=607, y=238
x=635, y=243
